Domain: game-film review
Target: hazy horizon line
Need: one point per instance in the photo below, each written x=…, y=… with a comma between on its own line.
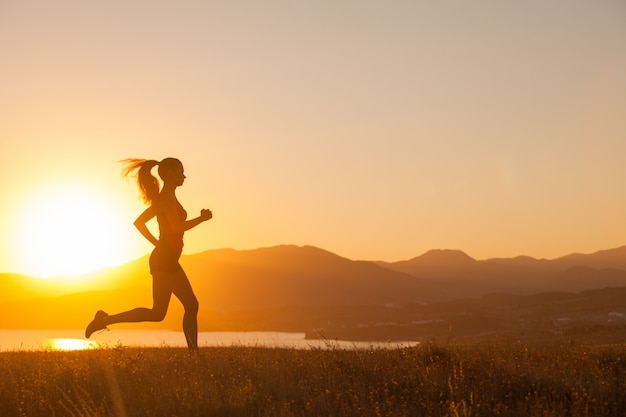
x=147, y=254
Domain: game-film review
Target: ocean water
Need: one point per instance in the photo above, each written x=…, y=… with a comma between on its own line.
x=73, y=339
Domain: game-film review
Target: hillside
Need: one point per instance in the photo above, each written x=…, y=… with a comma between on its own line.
x=287, y=275
x=293, y=288
x=15, y=287
x=467, y=277
x=592, y=316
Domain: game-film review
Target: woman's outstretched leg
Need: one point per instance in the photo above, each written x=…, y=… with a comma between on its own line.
x=161, y=294
x=183, y=291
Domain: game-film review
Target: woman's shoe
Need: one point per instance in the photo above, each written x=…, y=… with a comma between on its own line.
x=96, y=324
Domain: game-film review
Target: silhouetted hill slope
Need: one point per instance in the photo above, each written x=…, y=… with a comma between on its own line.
x=277, y=287
x=593, y=316
x=440, y=258
x=21, y=287
x=466, y=277
x=285, y=275
x=604, y=259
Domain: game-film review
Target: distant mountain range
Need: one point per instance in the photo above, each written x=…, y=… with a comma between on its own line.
x=300, y=288
x=467, y=277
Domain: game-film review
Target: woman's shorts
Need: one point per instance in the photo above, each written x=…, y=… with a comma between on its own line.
x=164, y=259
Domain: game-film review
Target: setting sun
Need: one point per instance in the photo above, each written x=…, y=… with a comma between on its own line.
x=67, y=230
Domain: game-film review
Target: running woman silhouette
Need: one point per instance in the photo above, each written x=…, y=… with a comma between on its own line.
x=168, y=277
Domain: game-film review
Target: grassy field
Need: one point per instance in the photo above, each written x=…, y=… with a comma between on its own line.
x=431, y=380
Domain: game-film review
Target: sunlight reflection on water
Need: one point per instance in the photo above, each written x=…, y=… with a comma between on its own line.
x=72, y=344
x=72, y=340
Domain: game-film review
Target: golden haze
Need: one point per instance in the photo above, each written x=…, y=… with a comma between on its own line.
x=378, y=130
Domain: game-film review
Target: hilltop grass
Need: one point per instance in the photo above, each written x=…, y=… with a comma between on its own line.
x=429, y=380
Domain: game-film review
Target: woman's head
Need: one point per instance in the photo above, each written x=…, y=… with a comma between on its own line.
x=170, y=169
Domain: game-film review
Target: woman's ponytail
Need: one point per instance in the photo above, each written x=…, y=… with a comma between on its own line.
x=149, y=185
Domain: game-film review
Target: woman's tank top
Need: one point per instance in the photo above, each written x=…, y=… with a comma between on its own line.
x=167, y=236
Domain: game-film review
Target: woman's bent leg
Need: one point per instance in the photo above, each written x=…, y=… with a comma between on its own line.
x=161, y=294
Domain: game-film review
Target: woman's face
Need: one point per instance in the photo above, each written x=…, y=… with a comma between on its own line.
x=176, y=175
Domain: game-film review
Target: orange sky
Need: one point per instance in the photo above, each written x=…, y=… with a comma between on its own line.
x=376, y=130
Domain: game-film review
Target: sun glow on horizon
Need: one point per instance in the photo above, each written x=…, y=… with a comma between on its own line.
x=66, y=345
x=68, y=230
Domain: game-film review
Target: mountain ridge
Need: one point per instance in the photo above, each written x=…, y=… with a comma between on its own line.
x=274, y=288
x=429, y=271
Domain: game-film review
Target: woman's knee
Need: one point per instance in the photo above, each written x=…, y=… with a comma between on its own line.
x=192, y=306
x=158, y=314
